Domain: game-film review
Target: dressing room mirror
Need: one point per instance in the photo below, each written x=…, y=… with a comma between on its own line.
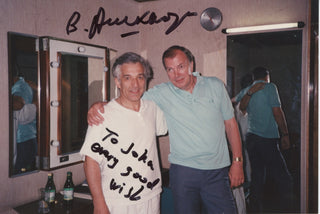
x=52, y=84
x=281, y=53
x=23, y=103
x=75, y=75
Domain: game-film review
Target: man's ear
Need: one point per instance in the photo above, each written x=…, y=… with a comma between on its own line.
x=117, y=82
x=192, y=67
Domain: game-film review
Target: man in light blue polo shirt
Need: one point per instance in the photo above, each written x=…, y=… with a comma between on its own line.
x=25, y=148
x=265, y=118
x=199, y=115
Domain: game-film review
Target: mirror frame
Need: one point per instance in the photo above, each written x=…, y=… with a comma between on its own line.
x=11, y=52
x=50, y=116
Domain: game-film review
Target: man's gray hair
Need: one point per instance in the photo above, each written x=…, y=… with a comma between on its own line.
x=131, y=57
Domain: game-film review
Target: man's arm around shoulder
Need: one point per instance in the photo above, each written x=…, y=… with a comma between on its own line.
x=93, y=116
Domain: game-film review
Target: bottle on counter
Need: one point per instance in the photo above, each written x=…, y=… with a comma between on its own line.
x=68, y=190
x=50, y=191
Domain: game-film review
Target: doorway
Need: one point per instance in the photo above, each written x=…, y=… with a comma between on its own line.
x=281, y=54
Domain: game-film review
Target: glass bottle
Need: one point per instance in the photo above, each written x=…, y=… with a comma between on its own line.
x=68, y=190
x=50, y=191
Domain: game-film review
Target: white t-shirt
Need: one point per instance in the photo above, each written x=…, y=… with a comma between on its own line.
x=126, y=150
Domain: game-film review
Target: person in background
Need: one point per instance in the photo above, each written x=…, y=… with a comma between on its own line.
x=199, y=115
x=265, y=119
x=121, y=158
x=25, y=125
x=241, y=193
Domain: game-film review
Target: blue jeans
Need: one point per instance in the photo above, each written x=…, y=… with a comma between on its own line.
x=198, y=191
x=267, y=162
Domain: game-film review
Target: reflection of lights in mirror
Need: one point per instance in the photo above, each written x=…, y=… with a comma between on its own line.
x=281, y=53
x=23, y=86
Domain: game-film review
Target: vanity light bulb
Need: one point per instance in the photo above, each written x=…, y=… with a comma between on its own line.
x=54, y=64
x=81, y=49
x=105, y=69
x=55, y=143
x=54, y=103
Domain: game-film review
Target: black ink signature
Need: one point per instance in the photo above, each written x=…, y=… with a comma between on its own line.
x=142, y=157
x=99, y=20
x=112, y=140
x=138, y=176
x=132, y=197
x=96, y=147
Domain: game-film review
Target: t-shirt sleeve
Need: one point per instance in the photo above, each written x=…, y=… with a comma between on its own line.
x=91, y=143
x=161, y=123
x=226, y=105
x=27, y=114
x=148, y=95
x=273, y=95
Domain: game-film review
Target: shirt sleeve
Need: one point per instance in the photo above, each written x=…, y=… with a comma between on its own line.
x=273, y=95
x=161, y=125
x=93, y=138
x=27, y=114
x=226, y=105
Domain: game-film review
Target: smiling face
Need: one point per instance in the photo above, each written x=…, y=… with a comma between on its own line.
x=132, y=84
x=179, y=70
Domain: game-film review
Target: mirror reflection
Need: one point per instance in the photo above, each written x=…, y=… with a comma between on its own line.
x=72, y=77
x=77, y=78
x=280, y=53
x=74, y=101
x=23, y=87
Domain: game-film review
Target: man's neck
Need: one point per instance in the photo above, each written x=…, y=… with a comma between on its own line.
x=192, y=85
x=135, y=106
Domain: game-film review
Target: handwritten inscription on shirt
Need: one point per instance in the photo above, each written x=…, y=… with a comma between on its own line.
x=128, y=192
x=148, y=18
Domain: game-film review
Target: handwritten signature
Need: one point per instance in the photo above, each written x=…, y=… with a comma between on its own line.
x=133, y=192
x=148, y=18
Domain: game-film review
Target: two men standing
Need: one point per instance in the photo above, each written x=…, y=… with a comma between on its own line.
x=199, y=115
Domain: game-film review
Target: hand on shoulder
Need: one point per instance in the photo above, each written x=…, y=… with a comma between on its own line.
x=94, y=116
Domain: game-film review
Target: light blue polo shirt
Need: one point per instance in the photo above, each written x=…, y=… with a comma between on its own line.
x=28, y=131
x=196, y=122
x=260, y=116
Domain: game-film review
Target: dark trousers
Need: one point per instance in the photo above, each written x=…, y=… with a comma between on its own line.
x=197, y=191
x=26, y=155
x=267, y=162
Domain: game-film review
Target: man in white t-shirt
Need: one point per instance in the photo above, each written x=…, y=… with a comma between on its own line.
x=121, y=158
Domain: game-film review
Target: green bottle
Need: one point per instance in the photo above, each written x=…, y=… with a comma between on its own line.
x=68, y=190
x=50, y=191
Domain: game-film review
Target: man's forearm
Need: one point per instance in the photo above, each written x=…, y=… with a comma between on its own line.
x=244, y=104
x=246, y=98
x=280, y=119
x=236, y=170
x=233, y=135
x=93, y=175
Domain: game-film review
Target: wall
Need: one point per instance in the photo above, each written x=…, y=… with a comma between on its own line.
x=44, y=17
